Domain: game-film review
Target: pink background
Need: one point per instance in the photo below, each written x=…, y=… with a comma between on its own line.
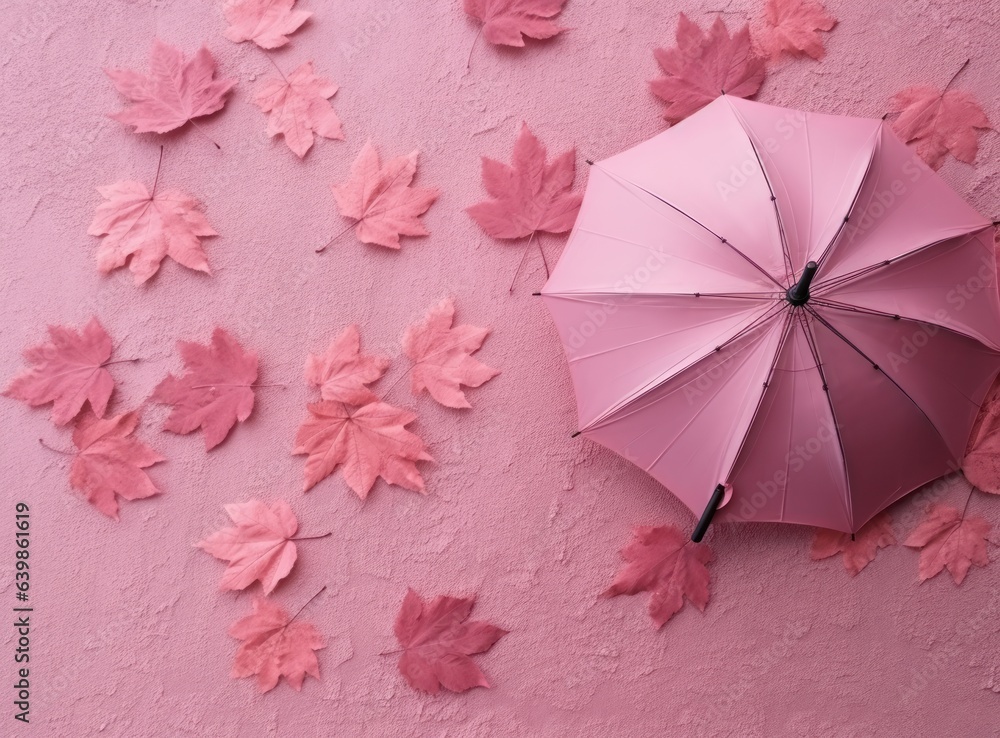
x=130, y=630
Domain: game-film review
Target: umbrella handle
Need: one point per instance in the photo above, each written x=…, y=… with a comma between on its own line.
x=706, y=517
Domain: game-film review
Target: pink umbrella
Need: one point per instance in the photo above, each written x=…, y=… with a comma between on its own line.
x=783, y=315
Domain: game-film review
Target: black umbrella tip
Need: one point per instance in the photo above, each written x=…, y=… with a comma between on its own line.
x=589, y=161
x=576, y=434
x=536, y=294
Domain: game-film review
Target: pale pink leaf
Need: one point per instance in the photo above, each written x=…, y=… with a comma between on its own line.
x=381, y=200
x=299, y=107
x=981, y=465
x=215, y=391
x=438, y=640
x=948, y=539
x=265, y=22
x=144, y=229
x=940, y=122
x=68, y=372
x=258, y=548
x=859, y=552
x=507, y=22
x=174, y=92
x=343, y=372
x=793, y=26
x=530, y=195
x=442, y=356
x=275, y=646
x=704, y=66
x=367, y=442
x=109, y=462
x=668, y=565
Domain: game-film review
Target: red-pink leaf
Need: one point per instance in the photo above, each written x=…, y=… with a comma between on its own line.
x=174, y=92
x=67, y=372
x=343, y=372
x=507, y=22
x=981, y=465
x=793, y=26
x=530, y=195
x=940, y=122
x=368, y=442
x=441, y=356
x=381, y=199
x=948, y=539
x=215, y=391
x=438, y=639
x=275, y=646
x=258, y=548
x=299, y=107
x=265, y=22
x=704, y=65
x=109, y=462
x=858, y=553
x=144, y=229
x=665, y=563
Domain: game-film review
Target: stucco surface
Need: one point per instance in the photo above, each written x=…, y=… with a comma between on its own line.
x=129, y=629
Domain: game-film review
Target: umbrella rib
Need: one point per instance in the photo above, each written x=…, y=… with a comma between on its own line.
x=669, y=204
x=814, y=350
x=789, y=267
x=573, y=294
x=865, y=356
x=857, y=195
x=658, y=382
x=895, y=316
x=845, y=279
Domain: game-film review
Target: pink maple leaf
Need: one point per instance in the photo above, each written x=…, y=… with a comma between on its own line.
x=793, y=26
x=981, y=465
x=109, y=462
x=859, y=552
x=215, y=391
x=665, y=563
x=68, y=372
x=438, y=638
x=174, y=92
x=343, y=372
x=299, y=108
x=940, y=122
x=507, y=22
x=381, y=200
x=274, y=646
x=144, y=228
x=368, y=442
x=705, y=65
x=265, y=22
x=259, y=547
x=442, y=356
x=949, y=539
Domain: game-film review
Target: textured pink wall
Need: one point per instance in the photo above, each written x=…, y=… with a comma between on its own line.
x=130, y=632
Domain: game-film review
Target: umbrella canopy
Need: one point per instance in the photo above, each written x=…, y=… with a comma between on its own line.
x=783, y=313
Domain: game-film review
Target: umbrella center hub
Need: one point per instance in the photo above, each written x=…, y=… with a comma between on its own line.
x=798, y=293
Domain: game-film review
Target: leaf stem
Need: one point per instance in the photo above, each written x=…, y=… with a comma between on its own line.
x=156, y=179
x=225, y=384
x=53, y=449
x=304, y=606
x=202, y=132
x=311, y=538
x=521, y=263
x=955, y=75
x=468, y=62
x=275, y=65
x=121, y=361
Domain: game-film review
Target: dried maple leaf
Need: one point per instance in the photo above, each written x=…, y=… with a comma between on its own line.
x=441, y=356
x=259, y=548
x=981, y=465
x=108, y=462
x=343, y=372
x=940, y=121
x=664, y=562
x=507, y=22
x=437, y=641
x=215, y=392
x=381, y=199
x=174, y=92
x=529, y=196
x=265, y=22
x=275, y=645
x=859, y=552
x=948, y=539
x=144, y=228
x=369, y=441
x=299, y=108
x=705, y=65
x=68, y=371
x=793, y=26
